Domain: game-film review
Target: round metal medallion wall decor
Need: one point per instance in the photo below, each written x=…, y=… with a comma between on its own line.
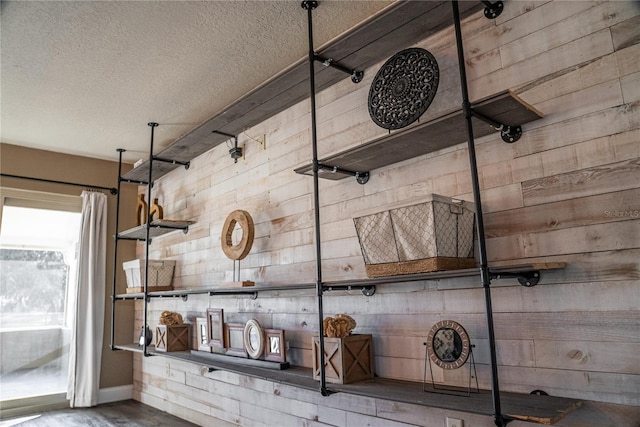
x=448, y=344
x=404, y=88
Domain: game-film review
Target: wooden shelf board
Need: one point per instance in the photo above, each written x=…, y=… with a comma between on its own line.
x=397, y=27
x=327, y=286
x=135, y=348
x=434, y=275
x=141, y=173
x=157, y=228
x=221, y=358
x=218, y=291
x=533, y=408
x=422, y=138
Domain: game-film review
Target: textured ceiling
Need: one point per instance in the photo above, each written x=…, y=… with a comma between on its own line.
x=85, y=77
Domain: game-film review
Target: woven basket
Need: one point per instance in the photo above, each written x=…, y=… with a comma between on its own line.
x=432, y=234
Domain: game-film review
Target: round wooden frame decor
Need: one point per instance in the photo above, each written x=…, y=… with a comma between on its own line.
x=241, y=250
x=448, y=344
x=253, y=339
x=403, y=88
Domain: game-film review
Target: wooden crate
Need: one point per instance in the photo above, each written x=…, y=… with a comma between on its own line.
x=172, y=337
x=346, y=360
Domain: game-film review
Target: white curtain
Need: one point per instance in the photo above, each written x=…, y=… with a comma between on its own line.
x=85, y=352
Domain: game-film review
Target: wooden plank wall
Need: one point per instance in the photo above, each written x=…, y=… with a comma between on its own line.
x=567, y=191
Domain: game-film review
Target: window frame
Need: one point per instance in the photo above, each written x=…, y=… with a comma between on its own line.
x=21, y=198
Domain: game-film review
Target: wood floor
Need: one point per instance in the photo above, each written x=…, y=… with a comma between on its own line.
x=127, y=413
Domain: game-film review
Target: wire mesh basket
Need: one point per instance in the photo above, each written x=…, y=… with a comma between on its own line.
x=160, y=275
x=432, y=234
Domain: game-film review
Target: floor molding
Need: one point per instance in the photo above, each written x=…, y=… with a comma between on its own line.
x=34, y=405
x=115, y=394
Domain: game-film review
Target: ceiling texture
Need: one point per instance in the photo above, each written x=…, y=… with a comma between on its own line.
x=85, y=77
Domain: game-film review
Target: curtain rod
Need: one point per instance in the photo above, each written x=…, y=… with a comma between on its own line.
x=112, y=190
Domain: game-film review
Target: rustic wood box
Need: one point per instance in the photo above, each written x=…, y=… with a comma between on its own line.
x=431, y=234
x=346, y=360
x=172, y=337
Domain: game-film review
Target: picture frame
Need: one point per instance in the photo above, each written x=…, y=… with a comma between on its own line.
x=275, y=346
x=202, y=334
x=234, y=339
x=215, y=328
x=254, y=339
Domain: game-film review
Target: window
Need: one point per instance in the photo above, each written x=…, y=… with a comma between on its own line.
x=38, y=240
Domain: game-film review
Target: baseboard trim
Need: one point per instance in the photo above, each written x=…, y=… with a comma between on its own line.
x=34, y=405
x=115, y=394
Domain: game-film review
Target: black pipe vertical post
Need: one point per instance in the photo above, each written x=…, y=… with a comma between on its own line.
x=145, y=290
x=482, y=250
x=309, y=5
x=115, y=254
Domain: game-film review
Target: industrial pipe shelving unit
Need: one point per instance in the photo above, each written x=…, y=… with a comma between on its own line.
x=143, y=233
x=492, y=10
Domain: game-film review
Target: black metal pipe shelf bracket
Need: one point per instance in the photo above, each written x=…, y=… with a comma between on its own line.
x=139, y=239
x=356, y=75
x=367, y=290
x=235, y=152
x=361, y=177
x=525, y=278
x=492, y=10
x=509, y=134
x=133, y=181
x=173, y=162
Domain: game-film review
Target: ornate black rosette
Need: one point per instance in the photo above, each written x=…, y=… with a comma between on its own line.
x=403, y=88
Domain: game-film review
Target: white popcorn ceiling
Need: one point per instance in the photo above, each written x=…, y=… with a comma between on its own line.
x=85, y=77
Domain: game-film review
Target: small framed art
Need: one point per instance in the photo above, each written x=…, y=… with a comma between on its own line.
x=275, y=346
x=202, y=334
x=215, y=328
x=234, y=339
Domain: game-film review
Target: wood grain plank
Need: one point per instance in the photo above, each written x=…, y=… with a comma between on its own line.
x=583, y=326
x=564, y=57
x=586, y=20
x=626, y=33
x=562, y=214
x=627, y=60
x=581, y=183
x=599, y=124
x=588, y=356
x=590, y=238
x=630, y=87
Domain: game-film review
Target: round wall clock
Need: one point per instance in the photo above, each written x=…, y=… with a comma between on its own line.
x=448, y=344
x=254, y=339
x=403, y=88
